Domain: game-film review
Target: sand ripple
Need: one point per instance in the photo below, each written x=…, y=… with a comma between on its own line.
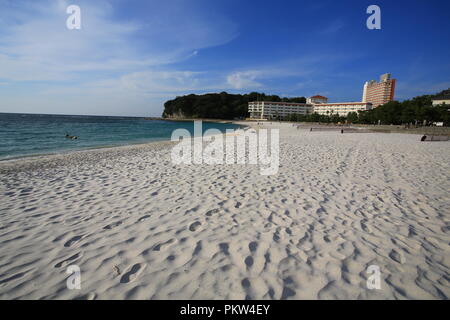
x=142, y=228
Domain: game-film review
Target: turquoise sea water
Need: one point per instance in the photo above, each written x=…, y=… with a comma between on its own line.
x=34, y=134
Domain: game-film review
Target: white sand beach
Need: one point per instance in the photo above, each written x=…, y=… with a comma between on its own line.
x=140, y=227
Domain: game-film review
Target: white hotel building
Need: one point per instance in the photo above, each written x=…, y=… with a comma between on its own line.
x=267, y=110
x=441, y=100
x=341, y=108
x=273, y=110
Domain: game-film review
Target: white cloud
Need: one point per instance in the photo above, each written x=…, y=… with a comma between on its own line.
x=161, y=81
x=243, y=80
x=35, y=44
x=304, y=68
x=110, y=59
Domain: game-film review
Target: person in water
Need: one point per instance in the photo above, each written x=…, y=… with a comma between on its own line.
x=71, y=137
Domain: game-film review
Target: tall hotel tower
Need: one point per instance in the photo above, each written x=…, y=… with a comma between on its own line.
x=379, y=93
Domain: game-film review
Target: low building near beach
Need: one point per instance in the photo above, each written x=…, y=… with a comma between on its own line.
x=277, y=110
x=267, y=110
x=374, y=94
x=441, y=100
x=341, y=108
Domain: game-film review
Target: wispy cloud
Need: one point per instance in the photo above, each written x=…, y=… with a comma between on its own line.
x=301, y=73
x=333, y=27
x=35, y=44
x=244, y=79
x=108, y=56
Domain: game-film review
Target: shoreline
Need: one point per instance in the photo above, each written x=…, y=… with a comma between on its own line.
x=49, y=161
x=421, y=130
x=93, y=148
x=244, y=125
x=24, y=163
x=70, y=151
x=191, y=120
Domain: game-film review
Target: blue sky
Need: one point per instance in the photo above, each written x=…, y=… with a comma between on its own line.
x=131, y=56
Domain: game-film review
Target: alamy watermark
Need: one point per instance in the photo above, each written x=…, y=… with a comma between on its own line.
x=74, y=20
x=374, y=20
x=73, y=282
x=235, y=147
x=374, y=280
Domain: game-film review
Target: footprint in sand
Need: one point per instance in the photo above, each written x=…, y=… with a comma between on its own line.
x=412, y=231
x=253, y=246
x=365, y=227
x=89, y=296
x=276, y=236
x=143, y=218
x=14, y=277
x=224, y=247
x=249, y=261
x=161, y=246
x=68, y=260
x=72, y=241
x=287, y=291
x=197, y=249
x=211, y=212
x=397, y=256
x=194, y=226
x=245, y=283
x=171, y=257
x=134, y=272
x=112, y=225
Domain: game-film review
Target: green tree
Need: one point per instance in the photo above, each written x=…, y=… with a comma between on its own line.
x=218, y=105
x=352, y=117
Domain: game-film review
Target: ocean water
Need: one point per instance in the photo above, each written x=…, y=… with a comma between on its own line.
x=35, y=134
